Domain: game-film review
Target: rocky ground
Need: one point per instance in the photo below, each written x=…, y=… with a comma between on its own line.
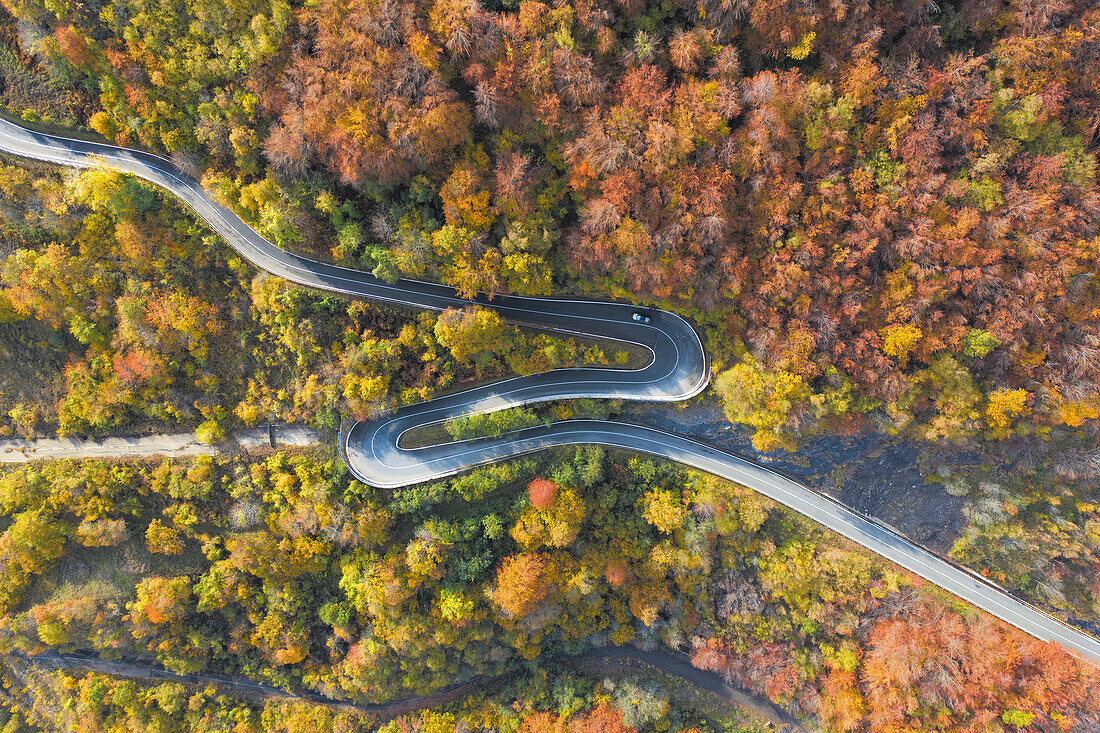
x=873, y=473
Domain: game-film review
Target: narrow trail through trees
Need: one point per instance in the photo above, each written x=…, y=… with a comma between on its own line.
x=668, y=663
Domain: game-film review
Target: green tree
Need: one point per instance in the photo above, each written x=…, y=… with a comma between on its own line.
x=977, y=343
x=957, y=399
x=491, y=424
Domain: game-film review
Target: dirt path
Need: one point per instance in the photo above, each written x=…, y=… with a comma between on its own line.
x=148, y=670
x=18, y=450
x=668, y=662
x=677, y=666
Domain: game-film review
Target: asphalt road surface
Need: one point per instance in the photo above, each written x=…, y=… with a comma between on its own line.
x=678, y=370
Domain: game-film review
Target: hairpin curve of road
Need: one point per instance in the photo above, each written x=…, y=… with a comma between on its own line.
x=678, y=370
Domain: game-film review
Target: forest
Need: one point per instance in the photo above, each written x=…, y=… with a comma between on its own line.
x=119, y=313
x=884, y=213
x=881, y=215
x=571, y=703
x=283, y=569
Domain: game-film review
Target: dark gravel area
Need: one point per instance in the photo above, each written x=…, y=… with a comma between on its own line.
x=872, y=472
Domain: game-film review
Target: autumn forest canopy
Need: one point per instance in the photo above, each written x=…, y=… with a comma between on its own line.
x=881, y=215
x=282, y=568
x=885, y=207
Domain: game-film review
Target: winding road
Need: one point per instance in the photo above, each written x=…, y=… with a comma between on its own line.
x=678, y=370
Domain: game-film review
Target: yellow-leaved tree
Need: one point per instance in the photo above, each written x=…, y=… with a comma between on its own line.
x=555, y=525
x=770, y=401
